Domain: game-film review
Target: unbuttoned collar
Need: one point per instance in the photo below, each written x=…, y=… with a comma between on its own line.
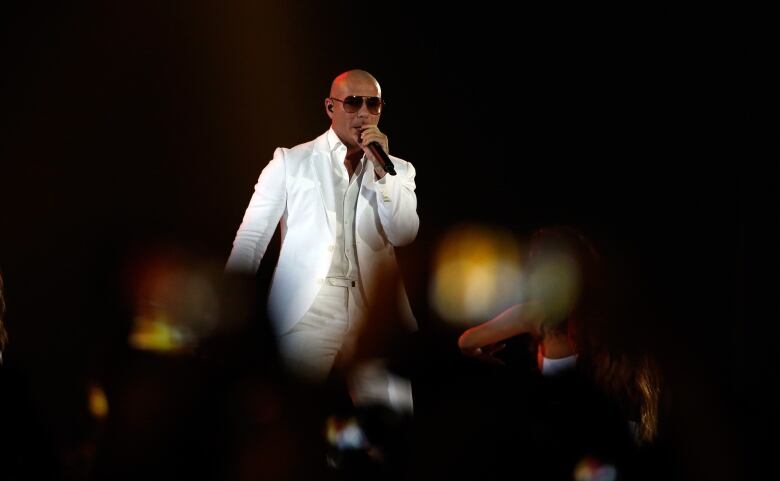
x=334, y=142
x=336, y=146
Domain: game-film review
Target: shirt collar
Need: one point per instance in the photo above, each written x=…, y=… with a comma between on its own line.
x=334, y=142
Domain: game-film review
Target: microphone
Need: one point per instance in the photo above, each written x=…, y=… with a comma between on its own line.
x=378, y=152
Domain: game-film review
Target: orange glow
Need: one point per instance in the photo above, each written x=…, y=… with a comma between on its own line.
x=176, y=305
x=98, y=402
x=156, y=335
x=476, y=274
x=591, y=469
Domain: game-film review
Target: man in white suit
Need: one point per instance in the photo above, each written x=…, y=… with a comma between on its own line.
x=341, y=215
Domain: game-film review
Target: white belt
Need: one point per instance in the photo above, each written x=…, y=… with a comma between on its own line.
x=340, y=281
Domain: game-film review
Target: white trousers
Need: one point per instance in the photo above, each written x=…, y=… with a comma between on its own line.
x=309, y=349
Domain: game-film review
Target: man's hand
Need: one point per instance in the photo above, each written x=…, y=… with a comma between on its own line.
x=371, y=133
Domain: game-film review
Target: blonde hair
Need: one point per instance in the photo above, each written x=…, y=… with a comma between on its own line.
x=635, y=383
x=628, y=376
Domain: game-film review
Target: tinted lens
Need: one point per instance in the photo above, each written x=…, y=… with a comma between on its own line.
x=374, y=105
x=352, y=104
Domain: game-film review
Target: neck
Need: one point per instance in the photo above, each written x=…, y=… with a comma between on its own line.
x=354, y=154
x=352, y=160
x=353, y=157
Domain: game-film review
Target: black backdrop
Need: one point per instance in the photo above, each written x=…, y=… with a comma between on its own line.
x=126, y=125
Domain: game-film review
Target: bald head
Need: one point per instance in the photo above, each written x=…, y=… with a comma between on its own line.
x=351, y=78
x=348, y=125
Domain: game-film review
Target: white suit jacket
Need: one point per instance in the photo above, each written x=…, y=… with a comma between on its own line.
x=296, y=188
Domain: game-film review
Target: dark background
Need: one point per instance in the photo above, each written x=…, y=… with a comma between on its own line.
x=144, y=124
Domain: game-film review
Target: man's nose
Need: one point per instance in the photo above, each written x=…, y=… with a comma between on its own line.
x=363, y=112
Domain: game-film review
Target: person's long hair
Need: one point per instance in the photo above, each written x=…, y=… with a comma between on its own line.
x=625, y=372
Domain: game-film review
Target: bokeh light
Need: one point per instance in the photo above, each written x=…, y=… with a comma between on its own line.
x=554, y=284
x=98, y=402
x=591, y=469
x=476, y=274
x=176, y=305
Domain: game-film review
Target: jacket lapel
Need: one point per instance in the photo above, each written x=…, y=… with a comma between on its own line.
x=323, y=176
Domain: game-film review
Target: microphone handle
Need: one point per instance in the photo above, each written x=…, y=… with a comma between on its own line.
x=377, y=150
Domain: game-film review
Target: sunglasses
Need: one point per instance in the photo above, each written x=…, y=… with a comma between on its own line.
x=352, y=103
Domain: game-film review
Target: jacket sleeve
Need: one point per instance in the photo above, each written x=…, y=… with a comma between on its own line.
x=261, y=218
x=397, y=204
